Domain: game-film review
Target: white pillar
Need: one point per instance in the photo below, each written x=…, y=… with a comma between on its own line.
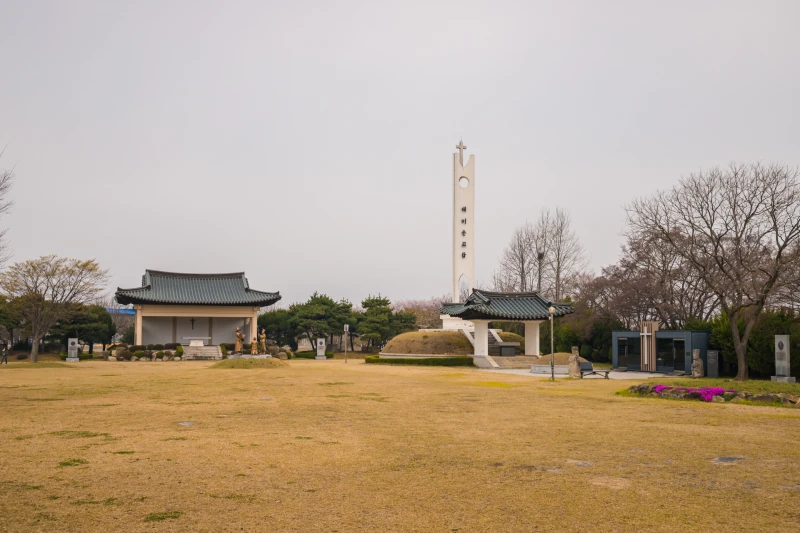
x=532, y=337
x=481, y=338
x=137, y=335
x=253, y=326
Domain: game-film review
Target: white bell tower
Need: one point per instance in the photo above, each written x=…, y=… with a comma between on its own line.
x=463, y=231
x=463, y=221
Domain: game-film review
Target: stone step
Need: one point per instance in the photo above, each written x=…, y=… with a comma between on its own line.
x=202, y=353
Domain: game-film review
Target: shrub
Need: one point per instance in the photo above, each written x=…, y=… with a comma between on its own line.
x=421, y=361
x=160, y=354
x=168, y=353
x=223, y=349
x=149, y=346
x=23, y=356
x=179, y=351
x=137, y=353
x=127, y=355
x=171, y=345
x=309, y=354
x=137, y=347
x=157, y=347
x=147, y=353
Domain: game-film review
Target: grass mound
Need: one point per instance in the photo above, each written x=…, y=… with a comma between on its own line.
x=249, y=363
x=430, y=342
x=562, y=358
x=508, y=336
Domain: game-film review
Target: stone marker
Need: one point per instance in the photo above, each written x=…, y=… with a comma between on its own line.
x=712, y=358
x=320, y=349
x=697, y=364
x=782, y=372
x=574, y=364
x=72, y=351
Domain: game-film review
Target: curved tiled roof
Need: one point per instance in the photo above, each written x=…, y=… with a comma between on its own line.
x=195, y=289
x=505, y=306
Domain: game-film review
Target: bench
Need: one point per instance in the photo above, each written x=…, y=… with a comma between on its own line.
x=595, y=372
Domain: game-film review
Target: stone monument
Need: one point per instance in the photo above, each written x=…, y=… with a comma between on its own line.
x=782, y=371
x=239, y=341
x=697, y=364
x=72, y=351
x=320, y=349
x=262, y=342
x=575, y=364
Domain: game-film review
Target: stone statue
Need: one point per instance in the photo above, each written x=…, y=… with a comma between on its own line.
x=254, y=347
x=697, y=365
x=262, y=342
x=239, y=341
x=574, y=364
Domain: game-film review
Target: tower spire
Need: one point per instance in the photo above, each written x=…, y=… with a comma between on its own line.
x=461, y=147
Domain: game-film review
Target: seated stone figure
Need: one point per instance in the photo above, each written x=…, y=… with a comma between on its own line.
x=575, y=364
x=697, y=365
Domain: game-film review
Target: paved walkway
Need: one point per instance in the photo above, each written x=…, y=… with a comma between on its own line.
x=612, y=375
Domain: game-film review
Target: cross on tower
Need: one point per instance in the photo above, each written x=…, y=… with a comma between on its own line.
x=460, y=146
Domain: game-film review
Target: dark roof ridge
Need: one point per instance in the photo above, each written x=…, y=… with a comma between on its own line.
x=196, y=274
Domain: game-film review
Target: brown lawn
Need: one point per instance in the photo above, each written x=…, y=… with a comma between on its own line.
x=324, y=446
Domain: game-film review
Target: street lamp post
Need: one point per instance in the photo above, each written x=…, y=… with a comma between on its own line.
x=552, y=312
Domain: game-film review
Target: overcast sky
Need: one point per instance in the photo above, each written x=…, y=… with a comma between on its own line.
x=309, y=143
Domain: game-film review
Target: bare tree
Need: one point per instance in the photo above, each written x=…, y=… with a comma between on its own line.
x=6, y=181
x=565, y=253
x=517, y=263
x=545, y=256
x=44, y=288
x=737, y=229
x=122, y=321
x=426, y=311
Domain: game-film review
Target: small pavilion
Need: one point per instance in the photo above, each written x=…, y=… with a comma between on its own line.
x=176, y=307
x=482, y=307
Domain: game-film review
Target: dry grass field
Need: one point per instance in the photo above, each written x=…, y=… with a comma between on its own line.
x=324, y=446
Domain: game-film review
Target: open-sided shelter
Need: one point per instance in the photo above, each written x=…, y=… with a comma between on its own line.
x=176, y=307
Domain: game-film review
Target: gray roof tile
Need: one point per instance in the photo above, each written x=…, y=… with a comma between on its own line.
x=195, y=289
x=505, y=306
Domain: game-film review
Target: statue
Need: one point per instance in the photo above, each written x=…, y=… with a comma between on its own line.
x=239, y=341
x=262, y=342
x=254, y=347
x=575, y=364
x=697, y=364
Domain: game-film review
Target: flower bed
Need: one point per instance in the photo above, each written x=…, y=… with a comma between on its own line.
x=713, y=394
x=706, y=393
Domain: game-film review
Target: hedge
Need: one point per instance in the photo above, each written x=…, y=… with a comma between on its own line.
x=310, y=355
x=421, y=361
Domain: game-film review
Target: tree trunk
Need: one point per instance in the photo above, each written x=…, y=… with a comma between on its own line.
x=740, y=347
x=35, y=351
